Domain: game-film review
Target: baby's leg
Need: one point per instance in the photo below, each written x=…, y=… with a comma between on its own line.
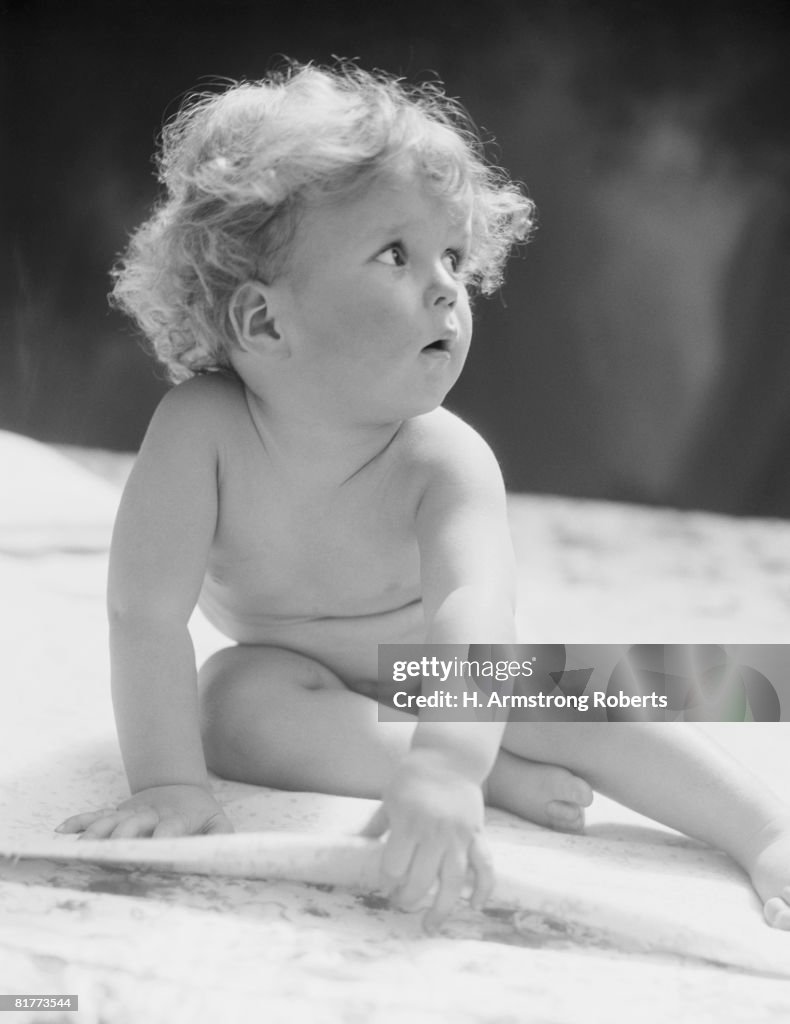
x=676, y=774
x=272, y=717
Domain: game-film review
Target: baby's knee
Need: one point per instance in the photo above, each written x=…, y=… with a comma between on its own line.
x=246, y=688
x=251, y=701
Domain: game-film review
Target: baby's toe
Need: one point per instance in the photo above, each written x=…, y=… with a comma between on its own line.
x=566, y=817
x=777, y=910
x=580, y=792
x=566, y=788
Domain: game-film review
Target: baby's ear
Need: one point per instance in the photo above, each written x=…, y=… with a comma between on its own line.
x=250, y=316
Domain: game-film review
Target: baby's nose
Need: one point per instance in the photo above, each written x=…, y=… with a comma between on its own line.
x=444, y=287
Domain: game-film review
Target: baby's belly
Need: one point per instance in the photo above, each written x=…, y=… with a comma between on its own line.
x=346, y=644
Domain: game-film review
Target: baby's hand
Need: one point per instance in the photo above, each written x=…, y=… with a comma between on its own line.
x=435, y=820
x=162, y=811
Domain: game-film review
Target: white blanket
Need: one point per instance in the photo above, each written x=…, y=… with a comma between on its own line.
x=139, y=945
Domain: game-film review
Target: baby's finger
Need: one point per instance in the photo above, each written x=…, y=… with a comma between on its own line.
x=141, y=822
x=219, y=823
x=104, y=826
x=377, y=825
x=482, y=864
x=396, y=860
x=171, y=827
x=452, y=876
x=79, y=822
x=422, y=876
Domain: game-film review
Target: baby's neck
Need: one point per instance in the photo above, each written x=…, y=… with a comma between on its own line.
x=314, y=451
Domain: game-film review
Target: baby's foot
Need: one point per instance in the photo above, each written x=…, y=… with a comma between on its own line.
x=770, y=873
x=544, y=793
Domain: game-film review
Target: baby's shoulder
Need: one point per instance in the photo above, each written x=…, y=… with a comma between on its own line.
x=214, y=391
x=441, y=449
x=441, y=440
x=203, y=405
x=197, y=420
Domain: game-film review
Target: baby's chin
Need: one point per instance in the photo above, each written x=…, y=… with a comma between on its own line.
x=422, y=406
x=409, y=408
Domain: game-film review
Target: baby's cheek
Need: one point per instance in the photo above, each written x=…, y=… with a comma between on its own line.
x=393, y=328
x=465, y=323
x=464, y=312
x=365, y=310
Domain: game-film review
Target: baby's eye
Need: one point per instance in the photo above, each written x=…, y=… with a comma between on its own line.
x=393, y=255
x=454, y=260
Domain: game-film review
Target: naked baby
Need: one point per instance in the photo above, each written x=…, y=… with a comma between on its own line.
x=306, y=282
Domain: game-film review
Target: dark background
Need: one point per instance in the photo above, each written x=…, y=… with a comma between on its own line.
x=639, y=349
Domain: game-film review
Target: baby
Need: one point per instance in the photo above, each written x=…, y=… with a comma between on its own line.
x=306, y=281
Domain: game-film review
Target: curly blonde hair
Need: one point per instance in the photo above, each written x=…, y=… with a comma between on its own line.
x=239, y=166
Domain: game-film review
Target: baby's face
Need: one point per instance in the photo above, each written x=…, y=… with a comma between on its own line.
x=373, y=304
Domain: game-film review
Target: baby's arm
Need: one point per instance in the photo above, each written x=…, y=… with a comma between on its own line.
x=434, y=805
x=160, y=547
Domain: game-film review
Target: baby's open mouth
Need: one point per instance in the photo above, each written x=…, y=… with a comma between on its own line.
x=440, y=345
